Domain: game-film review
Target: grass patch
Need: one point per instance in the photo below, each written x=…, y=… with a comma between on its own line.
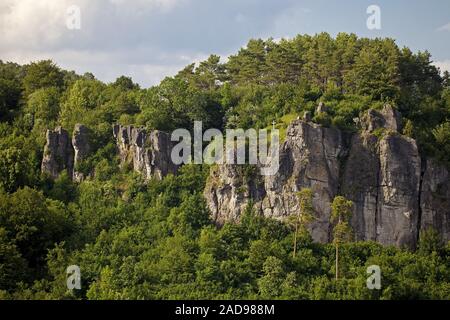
x=282, y=125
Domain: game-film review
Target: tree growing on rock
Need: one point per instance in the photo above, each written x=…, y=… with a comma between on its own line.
x=304, y=216
x=341, y=212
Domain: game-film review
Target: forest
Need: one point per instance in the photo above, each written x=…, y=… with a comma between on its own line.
x=137, y=239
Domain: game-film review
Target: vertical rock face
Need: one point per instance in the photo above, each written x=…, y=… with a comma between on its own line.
x=435, y=199
x=360, y=184
x=398, y=205
x=58, y=153
x=380, y=171
x=309, y=158
x=230, y=189
x=396, y=195
x=382, y=178
x=148, y=152
x=82, y=147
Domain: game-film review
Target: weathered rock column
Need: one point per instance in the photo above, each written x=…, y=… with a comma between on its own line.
x=149, y=152
x=82, y=147
x=435, y=199
x=58, y=153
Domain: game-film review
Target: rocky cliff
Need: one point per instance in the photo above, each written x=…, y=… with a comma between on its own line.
x=147, y=151
x=396, y=194
x=61, y=153
x=435, y=199
x=81, y=142
x=382, y=177
x=310, y=157
x=58, y=153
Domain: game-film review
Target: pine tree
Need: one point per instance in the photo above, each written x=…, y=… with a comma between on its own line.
x=341, y=212
x=304, y=215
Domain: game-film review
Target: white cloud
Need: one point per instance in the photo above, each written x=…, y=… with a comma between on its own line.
x=147, y=39
x=108, y=65
x=31, y=22
x=106, y=45
x=42, y=23
x=444, y=27
x=139, y=5
x=444, y=65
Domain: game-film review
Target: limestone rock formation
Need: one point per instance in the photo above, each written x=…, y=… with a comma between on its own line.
x=360, y=183
x=309, y=158
x=388, y=118
x=147, y=152
x=384, y=188
x=229, y=190
x=58, y=153
x=81, y=143
x=380, y=171
x=396, y=193
x=398, y=206
x=435, y=199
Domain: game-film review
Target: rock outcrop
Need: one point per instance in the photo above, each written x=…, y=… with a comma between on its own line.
x=149, y=152
x=309, y=158
x=81, y=142
x=388, y=118
x=435, y=199
x=396, y=193
x=379, y=169
x=58, y=153
x=360, y=183
x=230, y=189
x=398, y=209
x=64, y=154
x=382, y=177
x=384, y=187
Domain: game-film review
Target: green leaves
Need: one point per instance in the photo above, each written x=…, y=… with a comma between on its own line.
x=10, y=88
x=442, y=137
x=375, y=71
x=44, y=104
x=341, y=209
x=33, y=223
x=145, y=240
x=341, y=212
x=13, y=266
x=270, y=284
x=42, y=74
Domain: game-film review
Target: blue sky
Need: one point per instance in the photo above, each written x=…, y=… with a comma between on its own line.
x=151, y=39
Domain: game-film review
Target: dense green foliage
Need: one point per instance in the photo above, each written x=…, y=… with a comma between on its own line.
x=155, y=240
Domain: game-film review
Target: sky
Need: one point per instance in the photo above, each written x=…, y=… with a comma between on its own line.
x=151, y=39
